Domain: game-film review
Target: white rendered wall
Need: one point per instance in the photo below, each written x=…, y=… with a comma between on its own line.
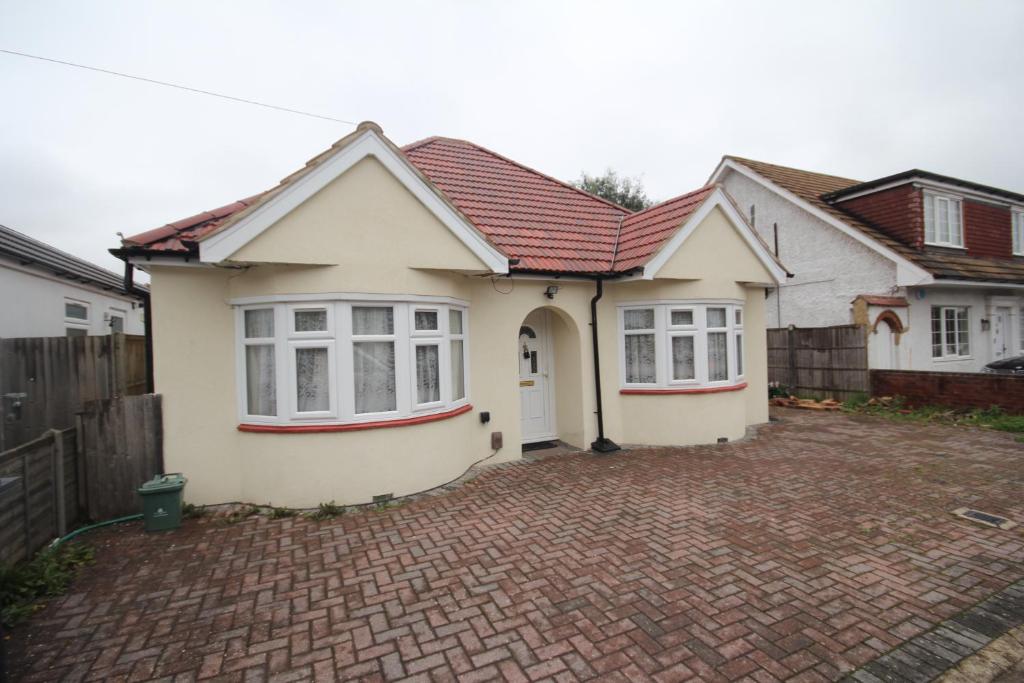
x=979, y=302
x=830, y=268
x=32, y=305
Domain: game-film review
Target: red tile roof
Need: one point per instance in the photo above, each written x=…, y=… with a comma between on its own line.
x=547, y=224
x=644, y=232
x=887, y=301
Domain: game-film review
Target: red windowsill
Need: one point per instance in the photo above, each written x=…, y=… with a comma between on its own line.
x=701, y=390
x=306, y=429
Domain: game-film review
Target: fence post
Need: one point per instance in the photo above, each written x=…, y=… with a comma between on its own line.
x=58, y=483
x=25, y=504
x=791, y=347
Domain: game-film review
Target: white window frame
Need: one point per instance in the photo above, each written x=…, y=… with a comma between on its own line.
x=664, y=331
x=945, y=356
x=657, y=331
x=339, y=340
x=77, y=323
x=1017, y=228
x=932, y=201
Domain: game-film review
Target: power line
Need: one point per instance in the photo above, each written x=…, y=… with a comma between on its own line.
x=179, y=87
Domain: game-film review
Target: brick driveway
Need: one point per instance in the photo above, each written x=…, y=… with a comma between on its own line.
x=804, y=552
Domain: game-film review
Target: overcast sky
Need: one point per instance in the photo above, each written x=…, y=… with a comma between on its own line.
x=657, y=90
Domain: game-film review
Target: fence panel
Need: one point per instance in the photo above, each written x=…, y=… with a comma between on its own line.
x=45, y=380
x=821, y=362
x=122, y=443
x=38, y=493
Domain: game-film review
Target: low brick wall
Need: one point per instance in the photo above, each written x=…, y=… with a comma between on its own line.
x=954, y=389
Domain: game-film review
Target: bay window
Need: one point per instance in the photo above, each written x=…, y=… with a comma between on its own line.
x=950, y=332
x=340, y=362
x=681, y=345
x=943, y=224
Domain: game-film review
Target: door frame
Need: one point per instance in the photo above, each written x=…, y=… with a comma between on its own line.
x=549, y=385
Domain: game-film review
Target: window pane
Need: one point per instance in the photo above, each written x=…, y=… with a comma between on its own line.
x=716, y=317
x=373, y=320
x=739, y=317
x=640, y=365
x=458, y=370
x=311, y=320
x=942, y=219
x=374, y=375
x=963, y=343
x=682, y=317
x=425, y=320
x=682, y=358
x=311, y=380
x=955, y=235
x=428, y=374
x=77, y=332
x=718, y=359
x=739, y=354
x=936, y=332
x=116, y=323
x=454, y=321
x=639, y=319
x=260, y=380
x=76, y=311
x=259, y=323
x=949, y=315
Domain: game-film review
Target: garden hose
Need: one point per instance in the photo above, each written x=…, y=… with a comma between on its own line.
x=58, y=541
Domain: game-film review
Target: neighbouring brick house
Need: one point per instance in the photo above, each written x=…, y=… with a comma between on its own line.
x=933, y=265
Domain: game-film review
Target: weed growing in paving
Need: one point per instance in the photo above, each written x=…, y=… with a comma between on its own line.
x=282, y=513
x=327, y=511
x=190, y=511
x=48, y=574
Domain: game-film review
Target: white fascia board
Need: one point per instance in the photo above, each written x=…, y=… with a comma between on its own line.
x=975, y=284
x=717, y=198
x=908, y=274
x=221, y=245
x=143, y=262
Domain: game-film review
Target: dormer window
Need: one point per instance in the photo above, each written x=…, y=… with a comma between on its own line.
x=943, y=223
x=1018, y=232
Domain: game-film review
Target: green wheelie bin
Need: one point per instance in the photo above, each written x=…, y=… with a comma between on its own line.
x=162, y=501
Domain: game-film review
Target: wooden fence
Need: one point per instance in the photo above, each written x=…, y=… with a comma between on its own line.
x=44, y=381
x=39, y=493
x=122, y=446
x=90, y=471
x=819, y=362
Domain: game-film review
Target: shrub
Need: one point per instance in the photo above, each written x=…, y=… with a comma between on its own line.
x=47, y=574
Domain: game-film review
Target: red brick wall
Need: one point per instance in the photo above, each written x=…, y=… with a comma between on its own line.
x=987, y=230
x=899, y=212
x=953, y=389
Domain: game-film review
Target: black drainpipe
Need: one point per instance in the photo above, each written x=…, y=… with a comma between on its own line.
x=147, y=309
x=603, y=444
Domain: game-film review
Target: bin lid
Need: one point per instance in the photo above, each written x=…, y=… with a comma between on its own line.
x=163, y=482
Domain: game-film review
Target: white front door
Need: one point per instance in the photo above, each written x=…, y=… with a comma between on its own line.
x=534, y=379
x=1001, y=333
x=883, y=353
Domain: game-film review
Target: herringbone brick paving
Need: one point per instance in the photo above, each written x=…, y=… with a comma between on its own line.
x=799, y=554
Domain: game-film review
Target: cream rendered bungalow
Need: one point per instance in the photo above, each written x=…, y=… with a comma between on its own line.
x=386, y=317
